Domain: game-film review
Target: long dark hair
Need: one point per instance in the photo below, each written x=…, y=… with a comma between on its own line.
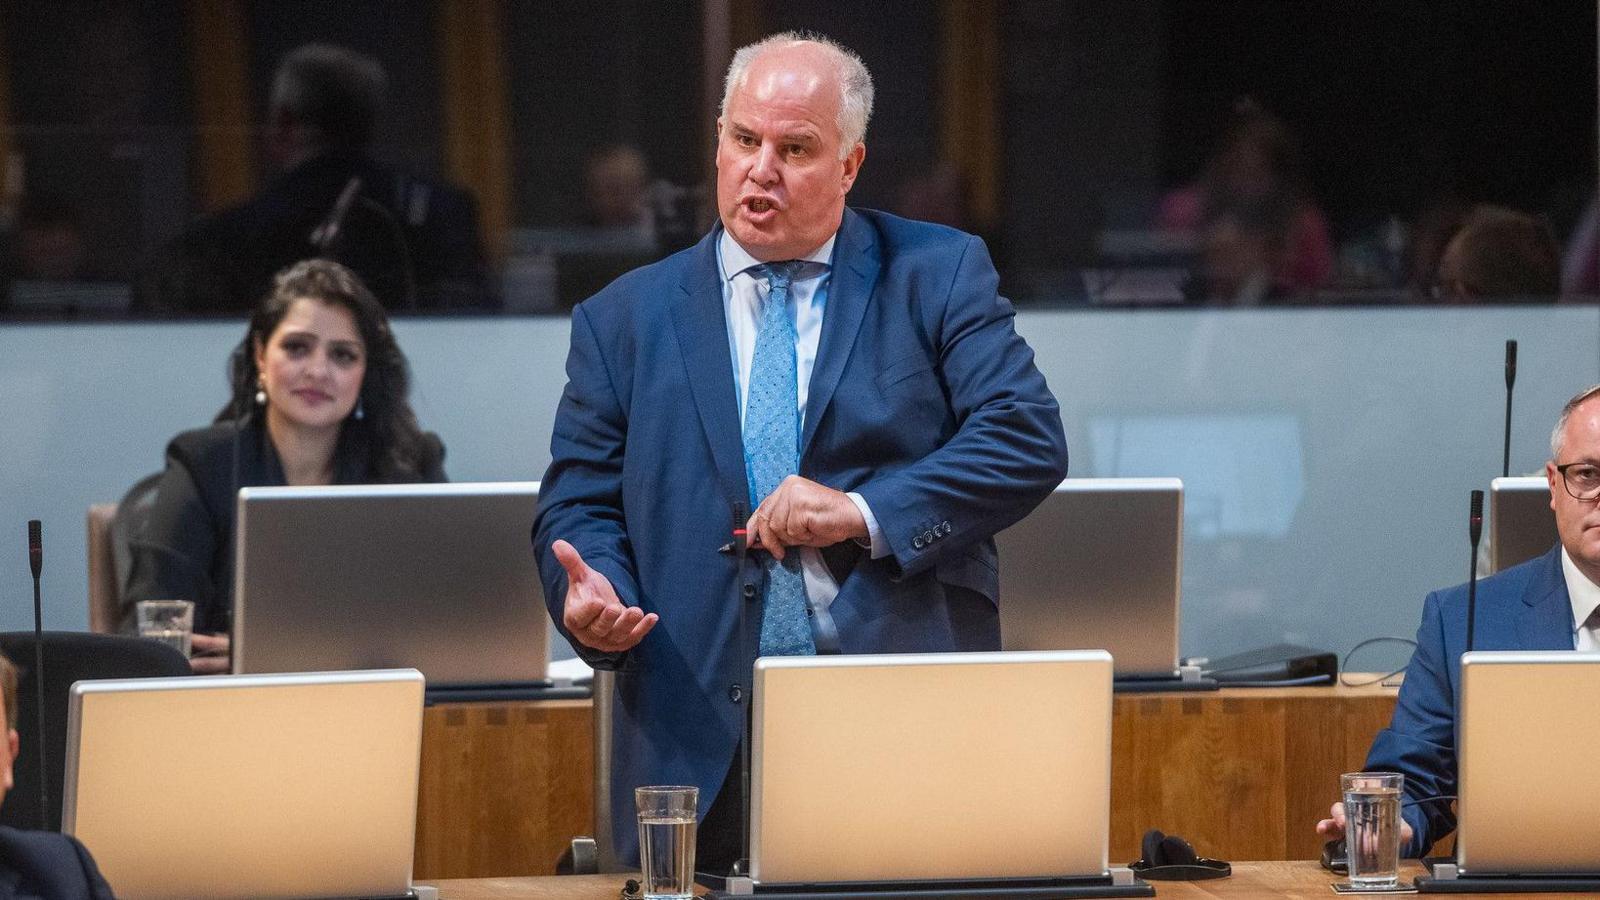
x=387, y=435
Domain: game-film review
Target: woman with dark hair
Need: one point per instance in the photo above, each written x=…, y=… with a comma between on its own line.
x=319, y=390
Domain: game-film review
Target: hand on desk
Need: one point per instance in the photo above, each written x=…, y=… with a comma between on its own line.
x=211, y=654
x=803, y=513
x=1333, y=828
x=592, y=611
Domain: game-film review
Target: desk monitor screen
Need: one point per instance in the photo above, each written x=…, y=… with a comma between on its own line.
x=931, y=766
x=1097, y=566
x=1529, y=727
x=439, y=577
x=261, y=786
x=1521, y=523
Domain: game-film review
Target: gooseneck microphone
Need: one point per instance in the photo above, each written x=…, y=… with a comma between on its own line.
x=327, y=231
x=745, y=591
x=36, y=563
x=1475, y=531
x=1511, y=380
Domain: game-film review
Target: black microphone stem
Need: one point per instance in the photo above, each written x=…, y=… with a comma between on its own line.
x=741, y=545
x=1475, y=531
x=1511, y=380
x=36, y=563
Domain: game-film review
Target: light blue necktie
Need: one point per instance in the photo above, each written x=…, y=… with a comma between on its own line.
x=772, y=453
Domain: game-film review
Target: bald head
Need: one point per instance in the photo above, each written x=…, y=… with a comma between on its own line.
x=834, y=69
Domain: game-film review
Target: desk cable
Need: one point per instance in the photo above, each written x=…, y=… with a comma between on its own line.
x=1385, y=680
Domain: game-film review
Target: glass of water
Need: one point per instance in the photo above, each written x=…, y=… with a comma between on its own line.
x=169, y=621
x=666, y=840
x=1372, y=827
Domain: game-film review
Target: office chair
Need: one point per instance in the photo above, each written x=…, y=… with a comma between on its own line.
x=109, y=525
x=105, y=593
x=69, y=656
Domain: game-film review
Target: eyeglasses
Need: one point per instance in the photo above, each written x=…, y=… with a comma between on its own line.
x=1581, y=479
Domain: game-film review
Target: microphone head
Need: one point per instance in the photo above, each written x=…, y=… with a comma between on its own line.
x=1475, y=517
x=1511, y=363
x=35, y=546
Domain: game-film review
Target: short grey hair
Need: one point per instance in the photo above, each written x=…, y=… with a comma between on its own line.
x=855, y=82
x=337, y=91
x=1557, y=434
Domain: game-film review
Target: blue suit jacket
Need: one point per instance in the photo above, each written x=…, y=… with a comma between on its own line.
x=923, y=399
x=44, y=865
x=1525, y=607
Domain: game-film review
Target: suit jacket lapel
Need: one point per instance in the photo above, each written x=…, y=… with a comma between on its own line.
x=855, y=274
x=702, y=330
x=1546, y=624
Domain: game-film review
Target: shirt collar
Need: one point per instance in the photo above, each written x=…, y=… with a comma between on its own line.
x=735, y=259
x=1584, y=594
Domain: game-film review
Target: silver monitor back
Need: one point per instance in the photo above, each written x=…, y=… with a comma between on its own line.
x=1528, y=780
x=439, y=577
x=1097, y=565
x=1521, y=523
x=232, y=786
x=931, y=766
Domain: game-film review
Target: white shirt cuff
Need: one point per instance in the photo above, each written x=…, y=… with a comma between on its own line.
x=875, y=541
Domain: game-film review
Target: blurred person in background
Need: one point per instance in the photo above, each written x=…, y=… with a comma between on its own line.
x=1251, y=199
x=1500, y=255
x=414, y=241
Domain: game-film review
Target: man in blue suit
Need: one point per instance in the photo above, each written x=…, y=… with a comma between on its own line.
x=1549, y=603
x=38, y=865
x=852, y=378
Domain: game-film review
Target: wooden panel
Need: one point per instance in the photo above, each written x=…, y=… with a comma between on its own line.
x=1242, y=774
x=218, y=60
x=477, y=113
x=11, y=186
x=969, y=97
x=504, y=787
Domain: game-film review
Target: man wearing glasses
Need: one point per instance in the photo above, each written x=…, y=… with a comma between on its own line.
x=1548, y=603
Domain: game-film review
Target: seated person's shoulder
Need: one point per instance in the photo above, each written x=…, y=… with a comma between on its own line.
x=50, y=864
x=432, y=462
x=203, y=447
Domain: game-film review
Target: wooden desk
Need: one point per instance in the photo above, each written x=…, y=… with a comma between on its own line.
x=1243, y=774
x=1250, y=881
x=504, y=787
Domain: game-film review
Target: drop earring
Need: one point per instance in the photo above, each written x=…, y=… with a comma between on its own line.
x=361, y=412
x=261, y=391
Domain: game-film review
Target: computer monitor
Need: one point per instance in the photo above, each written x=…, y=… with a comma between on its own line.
x=931, y=766
x=439, y=577
x=1098, y=566
x=1521, y=524
x=261, y=786
x=1528, y=779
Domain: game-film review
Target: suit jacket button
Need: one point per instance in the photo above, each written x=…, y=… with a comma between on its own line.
x=927, y=537
x=749, y=591
x=917, y=542
x=946, y=526
x=735, y=693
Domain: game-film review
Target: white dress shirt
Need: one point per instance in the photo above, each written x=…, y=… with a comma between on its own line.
x=1585, y=597
x=743, y=292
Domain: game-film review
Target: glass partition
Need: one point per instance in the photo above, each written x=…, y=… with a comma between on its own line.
x=1148, y=153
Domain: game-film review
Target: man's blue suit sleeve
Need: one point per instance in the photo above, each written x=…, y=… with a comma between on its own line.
x=1420, y=741
x=1009, y=451
x=580, y=500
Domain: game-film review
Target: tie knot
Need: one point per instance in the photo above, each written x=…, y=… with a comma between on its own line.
x=779, y=274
